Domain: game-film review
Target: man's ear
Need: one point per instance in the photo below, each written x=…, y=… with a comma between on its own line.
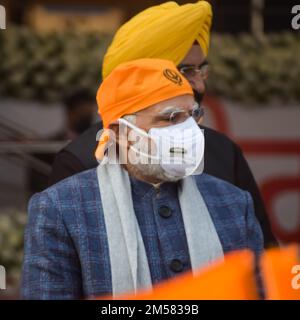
x=120, y=140
x=114, y=126
x=120, y=135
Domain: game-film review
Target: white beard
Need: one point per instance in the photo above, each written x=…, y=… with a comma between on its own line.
x=153, y=171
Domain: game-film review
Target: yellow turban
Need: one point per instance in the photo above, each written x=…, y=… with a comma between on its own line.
x=165, y=31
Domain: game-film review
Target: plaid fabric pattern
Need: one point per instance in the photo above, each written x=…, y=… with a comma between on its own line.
x=66, y=251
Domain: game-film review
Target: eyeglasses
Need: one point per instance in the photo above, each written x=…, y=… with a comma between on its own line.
x=190, y=71
x=174, y=115
x=178, y=116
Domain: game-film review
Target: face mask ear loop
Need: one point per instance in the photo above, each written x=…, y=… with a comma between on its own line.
x=133, y=127
x=143, y=133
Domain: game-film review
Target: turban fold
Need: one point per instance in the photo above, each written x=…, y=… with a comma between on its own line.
x=134, y=86
x=165, y=31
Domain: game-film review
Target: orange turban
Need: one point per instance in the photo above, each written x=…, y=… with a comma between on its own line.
x=166, y=31
x=134, y=86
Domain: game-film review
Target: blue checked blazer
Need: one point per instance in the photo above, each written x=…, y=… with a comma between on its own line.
x=66, y=252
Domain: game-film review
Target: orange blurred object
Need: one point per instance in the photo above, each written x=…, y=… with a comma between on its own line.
x=281, y=273
x=231, y=279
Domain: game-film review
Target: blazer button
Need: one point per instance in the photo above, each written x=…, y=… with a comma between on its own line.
x=165, y=211
x=176, y=265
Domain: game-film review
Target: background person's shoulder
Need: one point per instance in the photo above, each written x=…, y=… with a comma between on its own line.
x=216, y=190
x=218, y=138
x=84, y=146
x=77, y=156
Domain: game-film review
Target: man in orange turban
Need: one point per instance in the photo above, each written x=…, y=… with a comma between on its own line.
x=179, y=33
x=127, y=225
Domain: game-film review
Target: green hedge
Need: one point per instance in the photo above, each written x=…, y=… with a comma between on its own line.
x=47, y=67
x=11, y=240
x=248, y=70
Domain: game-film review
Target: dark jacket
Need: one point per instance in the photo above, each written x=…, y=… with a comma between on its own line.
x=223, y=159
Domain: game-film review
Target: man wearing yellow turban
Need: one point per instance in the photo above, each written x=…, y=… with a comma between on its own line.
x=167, y=31
x=179, y=33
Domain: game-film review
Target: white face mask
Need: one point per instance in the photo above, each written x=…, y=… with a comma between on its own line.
x=179, y=149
